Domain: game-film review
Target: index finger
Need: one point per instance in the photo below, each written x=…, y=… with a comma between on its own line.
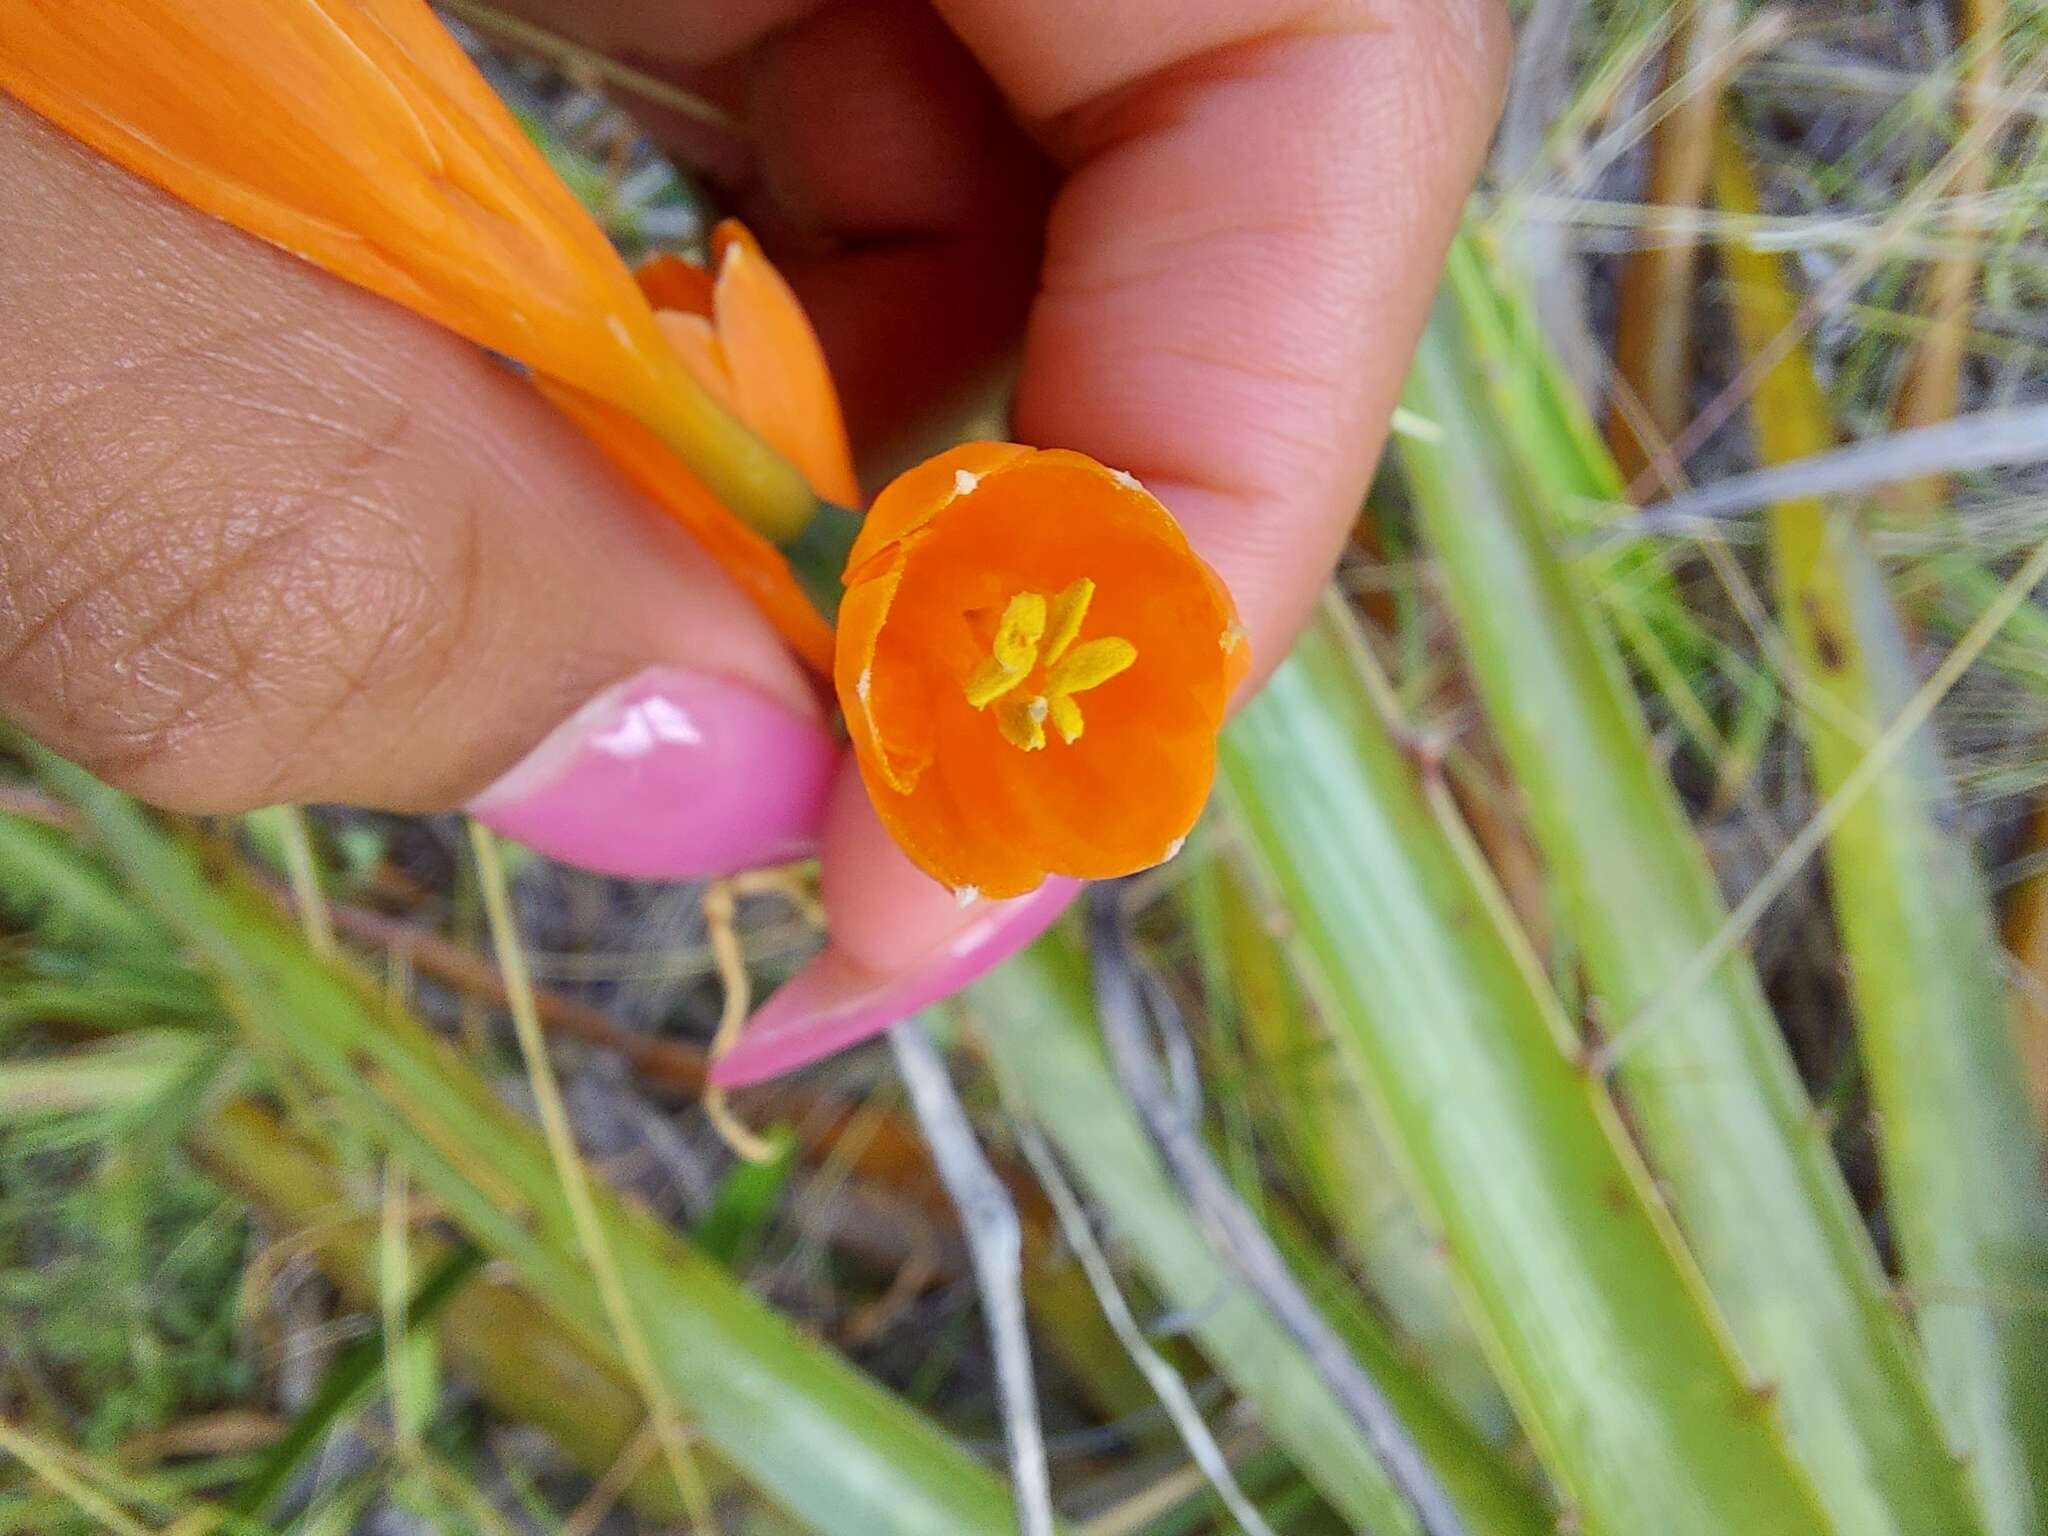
x=1244, y=251
x=1237, y=267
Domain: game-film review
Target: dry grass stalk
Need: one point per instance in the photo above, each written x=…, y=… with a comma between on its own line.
x=569, y=1167
x=1653, y=331
x=2026, y=939
x=721, y=920
x=1932, y=387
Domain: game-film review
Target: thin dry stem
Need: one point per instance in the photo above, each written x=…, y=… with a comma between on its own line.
x=792, y=882
x=576, y=60
x=1155, y=1501
x=995, y=1243
x=1932, y=387
x=2026, y=938
x=302, y=869
x=605, y=1494
x=394, y=1292
x=666, y=1062
x=1653, y=333
x=1164, y=1379
x=1973, y=144
x=49, y=1466
x=720, y=914
x=1126, y=1010
x=561, y=1141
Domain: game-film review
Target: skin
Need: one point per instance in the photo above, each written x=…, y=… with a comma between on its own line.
x=1215, y=225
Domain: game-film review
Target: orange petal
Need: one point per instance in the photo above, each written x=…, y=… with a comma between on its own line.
x=779, y=375
x=702, y=353
x=943, y=830
x=669, y=282
x=862, y=613
x=754, y=564
x=356, y=134
x=918, y=495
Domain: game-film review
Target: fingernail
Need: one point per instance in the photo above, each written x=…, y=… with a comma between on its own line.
x=835, y=1001
x=669, y=775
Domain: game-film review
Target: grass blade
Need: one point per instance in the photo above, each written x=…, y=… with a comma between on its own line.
x=571, y=1177
x=828, y=1444
x=348, y=1383
x=1132, y=1016
x=1713, y=1089
x=1333, y=1152
x=1598, y=1324
x=1164, y=1380
x=528, y=1365
x=1536, y=410
x=1961, y=1161
x=1037, y=1022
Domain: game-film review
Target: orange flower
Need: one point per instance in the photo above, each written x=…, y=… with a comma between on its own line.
x=746, y=339
x=356, y=134
x=1034, y=666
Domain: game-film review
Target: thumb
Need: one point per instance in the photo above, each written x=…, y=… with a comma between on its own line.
x=1236, y=269
x=266, y=538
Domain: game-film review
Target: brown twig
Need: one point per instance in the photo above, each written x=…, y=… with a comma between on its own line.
x=895, y=1154
x=224, y=1433
x=1932, y=386
x=2026, y=939
x=667, y=1063
x=1653, y=329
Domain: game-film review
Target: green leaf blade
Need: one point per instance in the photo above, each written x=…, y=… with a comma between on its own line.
x=1598, y=1325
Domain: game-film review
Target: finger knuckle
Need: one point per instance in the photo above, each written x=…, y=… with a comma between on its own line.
x=195, y=608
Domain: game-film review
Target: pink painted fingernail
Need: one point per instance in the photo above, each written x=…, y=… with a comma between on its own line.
x=667, y=775
x=835, y=1001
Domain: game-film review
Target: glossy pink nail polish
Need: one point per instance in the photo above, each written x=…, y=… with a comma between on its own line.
x=668, y=775
x=835, y=1001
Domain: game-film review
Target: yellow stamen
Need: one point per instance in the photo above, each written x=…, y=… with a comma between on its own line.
x=1034, y=631
x=1063, y=620
x=1086, y=666
x=1022, y=722
x=1015, y=650
x=1066, y=717
x=1090, y=665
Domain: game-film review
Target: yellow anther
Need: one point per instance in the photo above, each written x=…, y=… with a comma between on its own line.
x=1018, y=635
x=991, y=680
x=1034, y=631
x=1022, y=722
x=1090, y=665
x=1063, y=621
x=1066, y=717
x=1015, y=650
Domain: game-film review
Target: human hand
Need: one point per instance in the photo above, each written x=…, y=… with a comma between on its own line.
x=267, y=538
